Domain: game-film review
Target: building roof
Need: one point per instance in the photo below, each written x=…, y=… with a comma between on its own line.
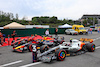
x=89, y=16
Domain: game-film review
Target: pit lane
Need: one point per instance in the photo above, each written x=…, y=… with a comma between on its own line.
x=89, y=59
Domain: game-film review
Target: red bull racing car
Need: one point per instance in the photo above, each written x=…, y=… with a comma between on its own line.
x=22, y=45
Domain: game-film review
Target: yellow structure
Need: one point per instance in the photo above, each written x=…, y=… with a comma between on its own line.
x=79, y=28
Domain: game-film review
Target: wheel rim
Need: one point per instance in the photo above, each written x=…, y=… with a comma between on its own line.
x=93, y=47
x=62, y=55
x=46, y=49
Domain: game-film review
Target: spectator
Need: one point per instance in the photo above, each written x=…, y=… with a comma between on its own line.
x=88, y=30
x=98, y=30
x=1, y=38
x=91, y=30
x=4, y=37
x=56, y=31
x=47, y=32
x=13, y=35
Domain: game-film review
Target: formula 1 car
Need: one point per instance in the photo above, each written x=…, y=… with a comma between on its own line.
x=74, y=47
x=51, y=42
x=22, y=45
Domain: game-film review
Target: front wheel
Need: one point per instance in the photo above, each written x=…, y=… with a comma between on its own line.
x=86, y=33
x=61, y=54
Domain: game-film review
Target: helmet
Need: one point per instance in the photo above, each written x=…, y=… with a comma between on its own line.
x=71, y=38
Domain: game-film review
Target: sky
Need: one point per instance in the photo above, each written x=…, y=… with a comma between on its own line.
x=63, y=9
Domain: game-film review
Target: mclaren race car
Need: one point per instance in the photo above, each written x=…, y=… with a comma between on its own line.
x=74, y=47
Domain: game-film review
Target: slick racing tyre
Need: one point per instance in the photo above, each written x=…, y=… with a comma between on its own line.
x=61, y=54
x=44, y=48
x=66, y=33
x=30, y=47
x=90, y=47
x=70, y=33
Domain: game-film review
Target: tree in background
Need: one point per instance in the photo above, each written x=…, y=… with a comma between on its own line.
x=35, y=20
x=6, y=18
x=16, y=17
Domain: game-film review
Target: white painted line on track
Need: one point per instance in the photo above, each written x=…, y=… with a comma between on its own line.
x=96, y=38
x=31, y=64
x=97, y=47
x=11, y=63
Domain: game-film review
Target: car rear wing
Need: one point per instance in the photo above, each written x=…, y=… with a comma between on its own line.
x=86, y=40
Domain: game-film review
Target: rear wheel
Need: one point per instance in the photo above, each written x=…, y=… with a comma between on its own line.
x=66, y=33
x=44, y=48
x=80, y=33
x=86, y=33
x=70, y=33
x=61, y=54
x=90, y=47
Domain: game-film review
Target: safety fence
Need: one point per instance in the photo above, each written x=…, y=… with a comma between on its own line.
x=29, y=32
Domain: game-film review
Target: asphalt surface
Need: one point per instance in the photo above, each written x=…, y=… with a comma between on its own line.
x=8, y=58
